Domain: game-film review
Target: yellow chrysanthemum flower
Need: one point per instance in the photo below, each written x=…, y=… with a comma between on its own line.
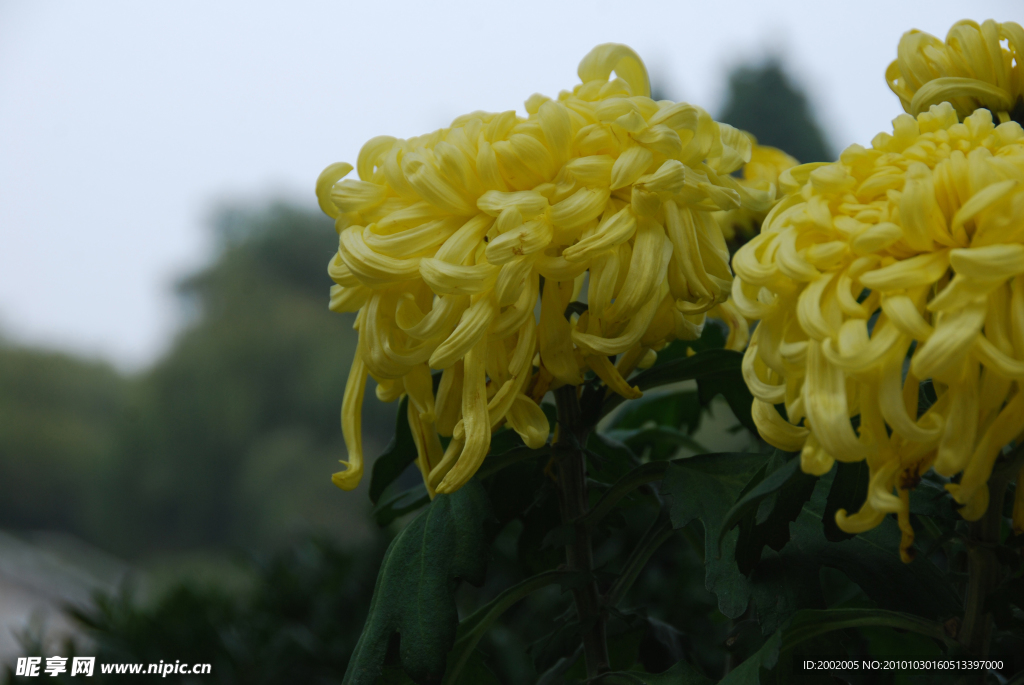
x=448, y=241
x=899, y=264
x=762, y=173
x=972, y=69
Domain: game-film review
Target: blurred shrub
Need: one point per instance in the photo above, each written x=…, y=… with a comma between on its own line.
x=58, y=438
x=298, y=623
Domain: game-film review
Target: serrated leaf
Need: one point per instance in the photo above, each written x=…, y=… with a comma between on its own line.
x=774, y=482
x=783, y=583
x=871, y=560
x=705, y=488
x=788, y=581
x=415, y=591
x=396, y=457
x=774, y=514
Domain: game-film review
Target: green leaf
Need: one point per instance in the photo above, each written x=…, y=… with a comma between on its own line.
x=607, y=458
x=871, y=560
x=551, y=412
x=560, y=650
x=681, y=673
x=787, y=581
x=705, y=488
x=659, y=442
x=730, y=385
x=657, y=535
x=748, y=504
x=542, y=516
x=783, y=583
x=497, y=462
x=749, y=672
x=637, y=477
x=806, y=625
x=503, y=441
x=810, y=624
x=515, y=490
x=674, y=410
x=618, y=678
x=930, y=498
x=476, y=672
x=472, y=629
x=716, y=366
x=576, y=308
x=770, y=526
x=415, y=591
x=554, y=674
x=397, y=456
x=400, y=504
x=713, y=338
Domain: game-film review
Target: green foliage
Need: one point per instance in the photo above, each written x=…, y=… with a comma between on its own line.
x=238, y=426
x=396, y=457
x=284, y=628
x=758, y=548
x=713, y=567
x=717, y=372
x=62, y=418
x=414, y=593
x=763, y=100
x=703, y=488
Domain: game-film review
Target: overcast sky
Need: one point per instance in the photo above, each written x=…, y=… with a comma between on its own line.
x=123, y=124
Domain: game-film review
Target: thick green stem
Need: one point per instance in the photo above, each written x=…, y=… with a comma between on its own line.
x=579, y=555
x=982, y=565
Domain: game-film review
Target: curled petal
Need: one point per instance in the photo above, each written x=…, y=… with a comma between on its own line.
x=351, y=426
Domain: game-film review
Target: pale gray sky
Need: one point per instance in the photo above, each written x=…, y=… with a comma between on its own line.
x=123, y=123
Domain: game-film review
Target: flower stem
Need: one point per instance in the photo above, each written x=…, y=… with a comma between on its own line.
x=982, y=565
x=579, y=555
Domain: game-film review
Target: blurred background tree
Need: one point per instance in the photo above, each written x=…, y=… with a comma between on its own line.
x=764, y=100
x=229, y=440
